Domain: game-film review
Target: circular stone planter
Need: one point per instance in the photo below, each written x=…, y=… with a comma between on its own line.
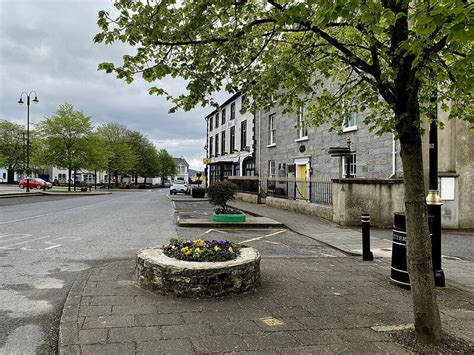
x=161, y=274
x=240, y=217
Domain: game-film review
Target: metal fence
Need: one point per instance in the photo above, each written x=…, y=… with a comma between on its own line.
x=246, y=185
x=315, y=191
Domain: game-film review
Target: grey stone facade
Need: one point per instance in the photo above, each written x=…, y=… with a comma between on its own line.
x=373, y=154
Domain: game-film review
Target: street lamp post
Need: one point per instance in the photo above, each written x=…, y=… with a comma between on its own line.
x=433, y=199
x=35, y=100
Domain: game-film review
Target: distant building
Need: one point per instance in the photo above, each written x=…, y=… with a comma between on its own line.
x=230, y=141
x=182, y=170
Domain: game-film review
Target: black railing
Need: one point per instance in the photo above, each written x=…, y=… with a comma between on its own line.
x=316, y=191
x=246, y=185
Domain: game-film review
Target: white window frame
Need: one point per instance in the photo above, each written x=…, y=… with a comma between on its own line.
x=272, y=168
x=351, y=125
x=352, y=167
x=302, y=130
x=271, y=131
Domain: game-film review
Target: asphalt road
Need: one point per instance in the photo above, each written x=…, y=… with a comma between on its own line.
x=45, y=244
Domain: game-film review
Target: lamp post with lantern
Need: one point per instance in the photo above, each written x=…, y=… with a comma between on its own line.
x=20, y=101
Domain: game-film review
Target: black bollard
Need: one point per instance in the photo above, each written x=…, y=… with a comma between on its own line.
x=366, y=253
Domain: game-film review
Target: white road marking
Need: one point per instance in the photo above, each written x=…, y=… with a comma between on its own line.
x=14, y=236
x=51, y=242
x=53, y=245
x=24, y=242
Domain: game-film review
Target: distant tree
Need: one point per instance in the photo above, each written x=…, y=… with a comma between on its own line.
x=121, y=159
x=98, y=155
x=12, y=148
x=167, y=165
x=66, y=137
x=146, y=164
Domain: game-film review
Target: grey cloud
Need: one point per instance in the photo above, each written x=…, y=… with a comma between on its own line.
x=48, y=46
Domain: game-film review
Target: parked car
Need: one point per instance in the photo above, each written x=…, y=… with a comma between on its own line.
x=180, y=186
x=36, y=183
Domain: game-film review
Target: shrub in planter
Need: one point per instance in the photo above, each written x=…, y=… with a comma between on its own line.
x=84, y=186
x=220, y=193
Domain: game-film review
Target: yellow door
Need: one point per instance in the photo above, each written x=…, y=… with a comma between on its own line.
x=303, y=189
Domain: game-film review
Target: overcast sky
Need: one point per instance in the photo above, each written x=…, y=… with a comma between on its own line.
x=47, y=46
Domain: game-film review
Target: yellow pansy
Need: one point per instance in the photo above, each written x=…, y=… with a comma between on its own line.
x=216, y=248
x=231, y=250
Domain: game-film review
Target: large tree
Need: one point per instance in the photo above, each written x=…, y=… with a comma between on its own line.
x=337, y=56
x=98, y=155
x=66, y=136
x=121, y=159
x=12, y=148
x=146, y=164
x=166, y=165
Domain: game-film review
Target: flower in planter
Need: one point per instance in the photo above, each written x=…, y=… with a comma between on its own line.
x=202, y=250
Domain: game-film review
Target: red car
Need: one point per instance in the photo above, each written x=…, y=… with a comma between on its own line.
x=36, y=183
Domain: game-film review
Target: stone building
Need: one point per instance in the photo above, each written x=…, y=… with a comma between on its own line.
x=230, y=141
x=287, y=148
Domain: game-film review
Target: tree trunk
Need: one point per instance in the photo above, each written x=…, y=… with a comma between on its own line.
x=425, y=307
x=69, y=170
x=10, y=175
x=116, y=180
x=108, y=180
x=144, y=182
x=75, y=173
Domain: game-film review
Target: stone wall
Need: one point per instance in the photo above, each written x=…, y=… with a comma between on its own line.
x=159, y=273
x=242, y=196
x=379, y=198
x=308, y=208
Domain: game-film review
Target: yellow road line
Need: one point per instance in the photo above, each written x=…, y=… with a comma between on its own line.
x=264, y=236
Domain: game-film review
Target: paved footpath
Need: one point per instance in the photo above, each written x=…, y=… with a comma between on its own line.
x=320, y=305
x=459, y=273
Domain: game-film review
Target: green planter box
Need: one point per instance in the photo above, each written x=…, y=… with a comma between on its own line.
x=228, y=217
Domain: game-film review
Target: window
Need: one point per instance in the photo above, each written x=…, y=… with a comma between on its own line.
x=243, y=135
x=210, y=123
x=350, y=123
x=232, y=140
x=217, y=145
x=223, y=151
x=271, y=129
x=271, y=168
x=210, y=147
x=302, y=130
x=249, y=168
x=232, y=110
x=217, y=120
x=237, y=169
x=243, y=103
x=352, y=166
x=223, y=116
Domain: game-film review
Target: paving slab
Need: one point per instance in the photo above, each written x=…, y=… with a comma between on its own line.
x=329, y=312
